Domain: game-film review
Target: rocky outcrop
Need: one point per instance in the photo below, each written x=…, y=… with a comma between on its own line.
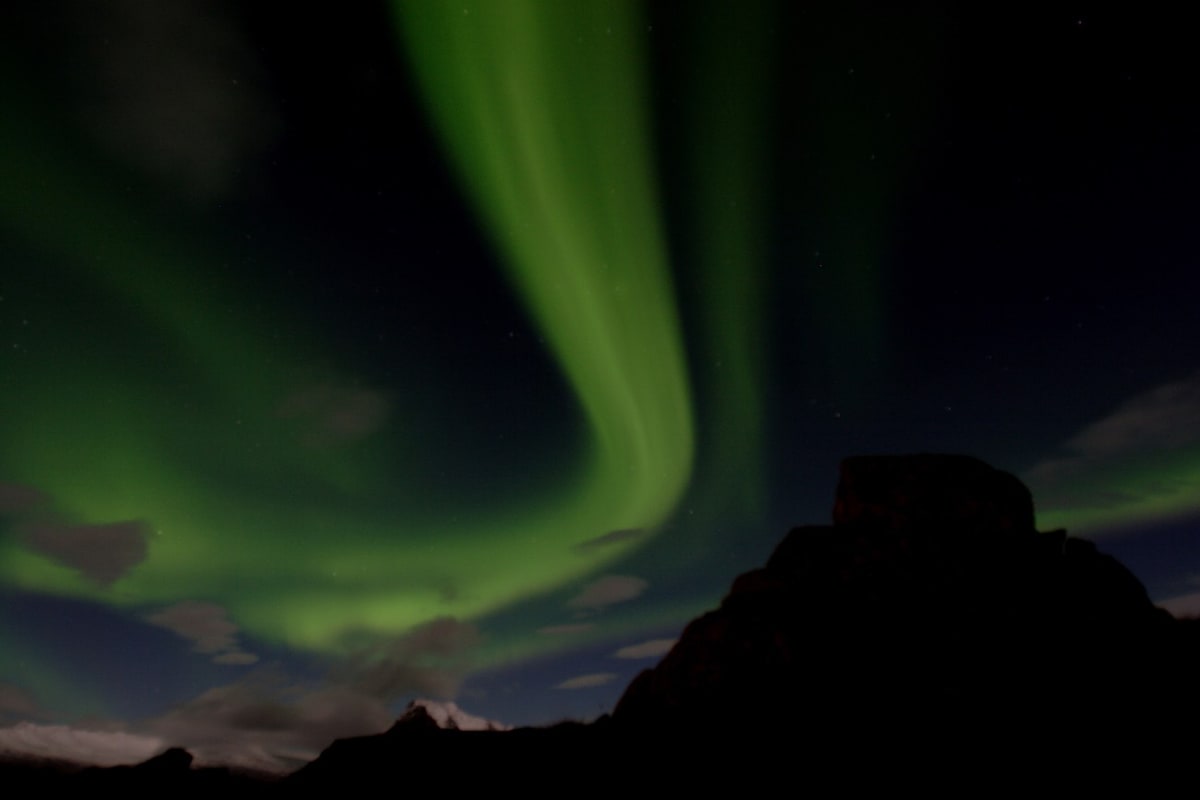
x=931, y=600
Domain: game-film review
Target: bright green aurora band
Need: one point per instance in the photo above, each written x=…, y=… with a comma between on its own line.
x=543, y=107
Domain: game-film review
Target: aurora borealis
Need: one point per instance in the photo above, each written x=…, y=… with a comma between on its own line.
x=456, y=348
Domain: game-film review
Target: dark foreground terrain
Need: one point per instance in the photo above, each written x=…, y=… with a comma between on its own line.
x=930, y=636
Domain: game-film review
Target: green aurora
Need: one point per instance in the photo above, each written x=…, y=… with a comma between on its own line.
x=307, y=548
x=153, y=393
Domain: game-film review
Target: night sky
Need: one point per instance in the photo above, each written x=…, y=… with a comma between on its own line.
x=468, y=350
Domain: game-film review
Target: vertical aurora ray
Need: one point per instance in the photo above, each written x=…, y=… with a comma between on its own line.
x=542, y=110
x=729, y=91
x=869, y=84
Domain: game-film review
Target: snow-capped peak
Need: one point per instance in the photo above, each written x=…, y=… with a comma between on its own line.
x=447, y=714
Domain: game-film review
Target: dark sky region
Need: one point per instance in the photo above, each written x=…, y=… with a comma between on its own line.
x=468, y=350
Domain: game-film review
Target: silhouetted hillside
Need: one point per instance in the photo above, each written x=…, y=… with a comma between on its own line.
x=933, y=596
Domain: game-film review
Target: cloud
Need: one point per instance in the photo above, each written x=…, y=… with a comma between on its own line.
x=608, y=590
x=588, y=681
x=16, y=704
x=431, y=659
x=650, y=649
x=566, y=630
x=173, y=89
x=208, y=627
x=1164, y=418
x=100, y=553
x=334, y=415
x=261, y=723
x=264, y=723
x=1187, y=605
x=609, y=539
x=236, y=657
x=258, y=722
x=17, y=499
x=1132, y=463
x=103, y=748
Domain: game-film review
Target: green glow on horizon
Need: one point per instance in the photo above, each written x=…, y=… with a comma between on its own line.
x=1108, y=498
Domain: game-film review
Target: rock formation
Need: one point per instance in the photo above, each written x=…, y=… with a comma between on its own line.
x=931, y=614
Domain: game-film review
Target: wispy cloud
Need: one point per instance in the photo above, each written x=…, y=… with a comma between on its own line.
x=651, y=649
x=173, y=89
x=104, y=748
x=262, y=723
x=263, y=720
x=608, y=590
x=332, y=414
x=431, y=659
x=1142, y=460
x=257, y=723
x=209, y=629
x=609, y=539
x=588, y=681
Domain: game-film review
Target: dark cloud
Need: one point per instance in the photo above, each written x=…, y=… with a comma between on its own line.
x=17, y=499
x=428, y=660
x=209, y=629
x=609, y=539
x=174, y=89
x=608, y=590
x=333, y=415
x=101, y=553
